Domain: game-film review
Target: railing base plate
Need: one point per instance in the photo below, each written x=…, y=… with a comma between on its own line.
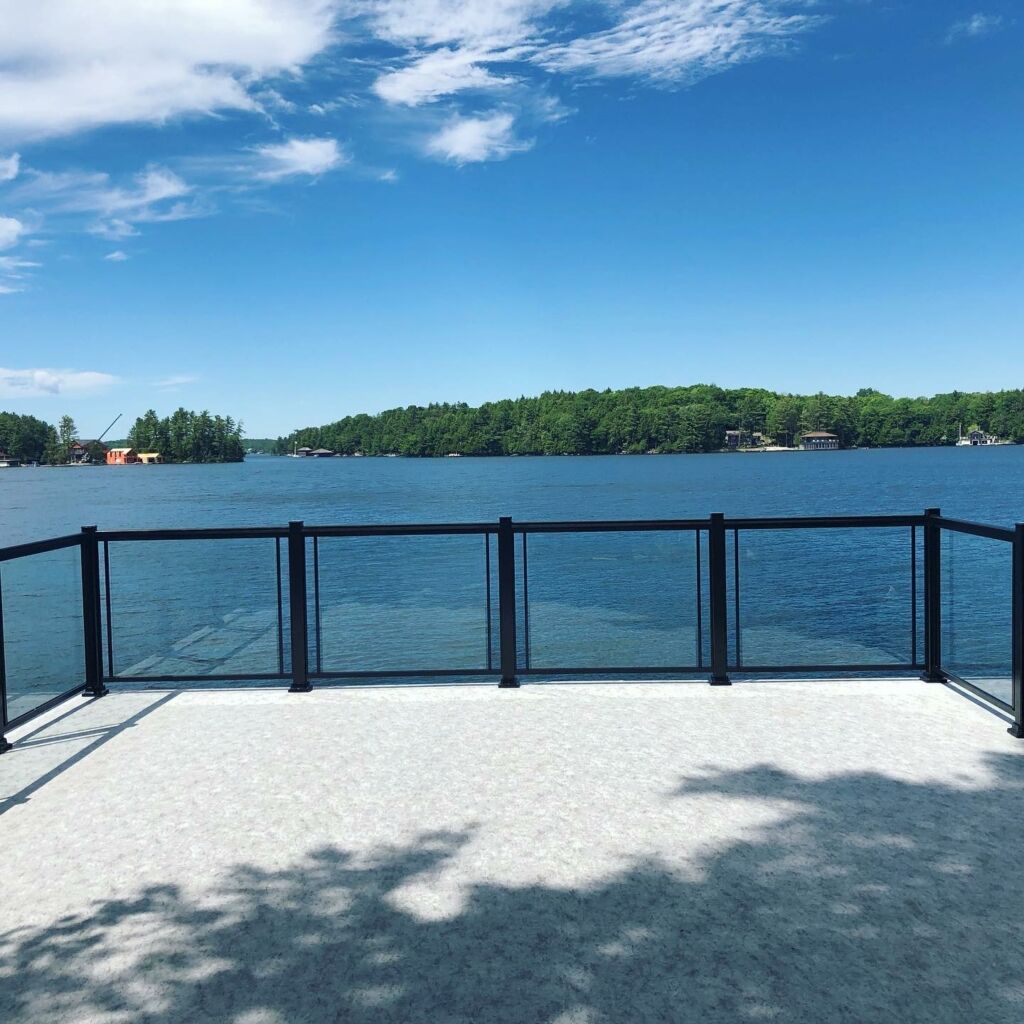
x=305, y=688
x=101, y=692
x=509, y=684
x=932, y=677
x=1016, y=731
x=4, y=745
x=719, y=680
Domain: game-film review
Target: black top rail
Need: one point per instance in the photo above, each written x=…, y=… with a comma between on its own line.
x=38, y=547
x=566, y=526
x=824, y=522
x=402, y=530
x=203, y=533
x=975, y=529
x=611, y=526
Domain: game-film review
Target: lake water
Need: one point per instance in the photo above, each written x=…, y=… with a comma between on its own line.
x=828, y=597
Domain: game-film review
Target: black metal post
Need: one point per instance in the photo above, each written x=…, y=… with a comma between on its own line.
x=1017, y=729
x=91, y=616
x=297, y=607
x=932, y=599
x=507, y=602
x=718, y=599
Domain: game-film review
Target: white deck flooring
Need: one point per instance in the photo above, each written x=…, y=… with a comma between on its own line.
x=790, y=852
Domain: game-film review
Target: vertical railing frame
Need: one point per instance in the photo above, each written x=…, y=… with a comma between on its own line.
x=507, y=602
x=718, y=600
x=4, y=744
x=92, y=620
x=297, y=609
x=1017, y=728
x=932, y=598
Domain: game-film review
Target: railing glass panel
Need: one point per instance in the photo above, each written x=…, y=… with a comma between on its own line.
x=614, y=600
x=182, y=608
x=43, y=634
x=825, y=597
x=977, y=611
x=402, y=604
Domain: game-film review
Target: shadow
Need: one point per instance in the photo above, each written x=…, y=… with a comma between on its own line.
x=865, y=898
x=104, y=734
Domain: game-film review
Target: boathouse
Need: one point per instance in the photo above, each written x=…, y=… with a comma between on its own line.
x=819, y=440
x=122, y=457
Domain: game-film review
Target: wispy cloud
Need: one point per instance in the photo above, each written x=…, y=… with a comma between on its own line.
x=173, y=383
x=974, y=26
x=442, y=72
x=155, y=195
x=666, y=41
x=298, y=157
x=38, y=383
x=117, y=256
x=467, y=140
x=14, y=274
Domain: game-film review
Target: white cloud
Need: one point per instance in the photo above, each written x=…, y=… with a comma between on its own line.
x=37, y=383
x=13, y=273
x=172, y=383
x=117, y=256
x=10, y=231
x=155, y=195
x=69, y=65
x=974, y=26
x=9, y=166
x=439, y=73
x=298, y=156
x=114, y=229
x=671, y=41
x=474, y=139
x=482, y=23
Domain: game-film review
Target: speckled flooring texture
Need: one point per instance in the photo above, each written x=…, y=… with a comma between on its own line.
x=572, y=854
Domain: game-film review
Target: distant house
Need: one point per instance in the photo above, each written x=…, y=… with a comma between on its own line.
x=738, y=439
x=80, y=451
x=150, y=458
x=122, y=457
x=321, y=453
x=8, y=461
x=304, y=452
x=818, y=441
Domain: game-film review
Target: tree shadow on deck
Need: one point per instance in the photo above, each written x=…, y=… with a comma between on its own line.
x=865, y=898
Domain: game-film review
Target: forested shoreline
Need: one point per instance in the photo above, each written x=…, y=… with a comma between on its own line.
x=184, y=436
x=663, y=419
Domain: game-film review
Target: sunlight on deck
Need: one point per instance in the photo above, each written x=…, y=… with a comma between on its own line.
x=783, y=851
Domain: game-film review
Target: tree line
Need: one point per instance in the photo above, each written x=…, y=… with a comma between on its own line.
x=663, y=419
x=186, y=436
x=183, y=436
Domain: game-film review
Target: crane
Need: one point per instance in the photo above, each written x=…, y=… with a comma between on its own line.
x=107, y=431
x=99, y=439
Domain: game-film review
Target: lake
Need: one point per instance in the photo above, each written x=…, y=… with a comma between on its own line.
x=203, y=608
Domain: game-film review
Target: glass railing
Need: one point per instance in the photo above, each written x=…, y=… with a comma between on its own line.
x=977, y=613
x=916, y=594
x=41, y=626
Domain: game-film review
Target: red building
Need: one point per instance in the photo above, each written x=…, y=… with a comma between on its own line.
x=122, y=457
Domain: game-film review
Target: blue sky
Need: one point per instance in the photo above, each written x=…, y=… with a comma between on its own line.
x=292, y=210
